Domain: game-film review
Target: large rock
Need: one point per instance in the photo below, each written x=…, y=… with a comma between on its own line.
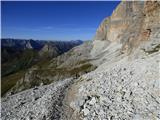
x=131, y=23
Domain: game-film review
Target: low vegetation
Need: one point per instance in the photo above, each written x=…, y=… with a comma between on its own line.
x=44, y=75
x=20, y=61
x=9, y=81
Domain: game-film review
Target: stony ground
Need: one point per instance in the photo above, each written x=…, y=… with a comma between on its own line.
x=124, y=90
x=41, y=103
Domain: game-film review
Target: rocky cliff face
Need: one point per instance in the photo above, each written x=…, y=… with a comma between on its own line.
x=131, y=24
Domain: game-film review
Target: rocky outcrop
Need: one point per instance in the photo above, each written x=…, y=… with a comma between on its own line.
x=131, y=23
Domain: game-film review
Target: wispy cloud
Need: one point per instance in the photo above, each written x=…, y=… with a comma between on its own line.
x=49, y=32
x=50, y=28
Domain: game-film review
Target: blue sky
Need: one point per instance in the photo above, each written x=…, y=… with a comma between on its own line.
x=53, y=20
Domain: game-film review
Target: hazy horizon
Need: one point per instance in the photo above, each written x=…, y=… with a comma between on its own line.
x=44, y=39
x=52, y=20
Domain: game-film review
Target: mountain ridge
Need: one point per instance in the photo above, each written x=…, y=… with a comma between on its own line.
x=20, y=55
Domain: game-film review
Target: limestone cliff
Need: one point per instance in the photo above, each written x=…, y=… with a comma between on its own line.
x=131, y=23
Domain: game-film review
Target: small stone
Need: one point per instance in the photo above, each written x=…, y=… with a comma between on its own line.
x=73, y=105
x=119, y=99
x=81, y=102
x=93, y=101
x=86, y=111
x=94, y=114
x=101, y=112
x=41, y=84
x=119, y=88
x=131, y=73
x=135, y=84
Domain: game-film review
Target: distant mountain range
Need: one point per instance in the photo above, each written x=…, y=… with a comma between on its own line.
x=20, y=54
x=63, y=46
